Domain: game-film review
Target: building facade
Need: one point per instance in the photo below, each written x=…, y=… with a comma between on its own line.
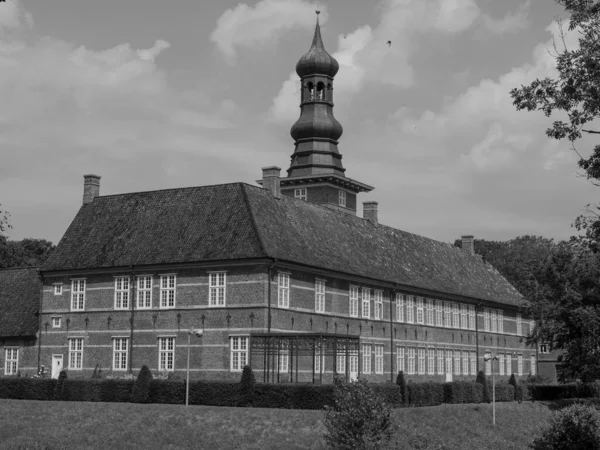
x=284, y=277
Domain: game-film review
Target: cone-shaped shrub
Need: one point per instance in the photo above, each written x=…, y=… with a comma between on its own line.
x=59, y=388
x=482, y=379
x=247, y=386
x=512, y=380
x=141, y=387
x=401, y=381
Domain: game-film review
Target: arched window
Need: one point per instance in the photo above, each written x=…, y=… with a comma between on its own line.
x=311, y=91
x=320, y=91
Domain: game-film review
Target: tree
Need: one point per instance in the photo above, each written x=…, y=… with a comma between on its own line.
x=26, y=253
x=4, y=221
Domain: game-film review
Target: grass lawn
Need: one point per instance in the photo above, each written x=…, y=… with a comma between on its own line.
x=81, y=425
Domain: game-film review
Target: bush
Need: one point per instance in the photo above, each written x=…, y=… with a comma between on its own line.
x=59, y=393
x=27, y=388
x=482, y=379
x=463, y=392
x=505, y=393
x=391, y=393
x=247, y=386
x=425, y=394
x=513, y=381
x=141, y=387
x=401, y=381
x=575, y=428
x=537, y=379
x=97, y=373
x=358, y=419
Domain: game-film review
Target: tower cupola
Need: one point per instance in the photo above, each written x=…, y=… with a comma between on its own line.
x=317, y=60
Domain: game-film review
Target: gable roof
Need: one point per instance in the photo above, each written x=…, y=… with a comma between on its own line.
x=239, y=221
x=19, y=302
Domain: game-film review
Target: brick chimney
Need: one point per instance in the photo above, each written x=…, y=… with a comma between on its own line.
x=91, y=187
x=370, y=212
x=468, y=244
x=271, y=180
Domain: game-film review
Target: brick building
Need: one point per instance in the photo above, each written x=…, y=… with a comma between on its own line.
x=284, y=277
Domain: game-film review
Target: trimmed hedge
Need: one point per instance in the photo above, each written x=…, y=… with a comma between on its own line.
x=570, y=390
x=505, y=393
x=95, y=390
x=391, y=392
x=463, y=392
x=425, y=394
x=27, y=388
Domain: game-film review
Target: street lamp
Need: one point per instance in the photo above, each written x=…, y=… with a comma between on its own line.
x=487, y=358
x=198, y=333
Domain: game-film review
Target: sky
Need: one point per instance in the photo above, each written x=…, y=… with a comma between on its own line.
x=151, y=95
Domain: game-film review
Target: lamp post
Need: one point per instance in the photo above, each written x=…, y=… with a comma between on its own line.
x=187, y=373
x=487, y=358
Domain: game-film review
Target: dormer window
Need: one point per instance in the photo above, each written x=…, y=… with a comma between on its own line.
x=300, y=193
x=342, y=198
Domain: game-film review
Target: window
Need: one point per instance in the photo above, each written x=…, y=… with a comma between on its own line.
x=410, y=309
x=447, y=315
x=379, y=359
x=421, y=366
x=509, y=364
x=342, y=198
x=166, y=354
x=56, y=322
x=77, y=295
x=319, y=360
x=239, y=353
x=366, y=358
x=300, y=193
x=400, y=359
x=519, y=365
x=473, y=363
x=465, y=360
x=341, y=359
x=283, y=290
x=533, y=368
x=122, y=293
x=431, y=361
x=320, y=296
x=544, y=348
x=531, y=326
x=439, y=313
x=366, y=302
x=440, y=361
x=486, y=319
x=471, y=317
x=456, y=362
x=500, y=321
x=353, y=364
x=501, y=364
x=455, y=315
x=430, y=320
x=120, y=354
x=353, y=301
x=420, y=313
x=167, y=291
x=11, y=361
x=379, y=305
x=519, y=328
x=76, y=353
x=400, y=307
x=411, y=360
x=488, y=363
x=494, y=314
x=58, y=289
x=144, y=292
x=464, y=317
x=216, y=288
x=283, y=361
x=449, y=362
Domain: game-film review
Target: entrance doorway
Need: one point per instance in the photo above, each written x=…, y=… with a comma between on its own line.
x=57, y=365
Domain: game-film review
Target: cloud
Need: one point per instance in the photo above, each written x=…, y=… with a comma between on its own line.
x=510, y=23
x=254, y=26
x=13, y=17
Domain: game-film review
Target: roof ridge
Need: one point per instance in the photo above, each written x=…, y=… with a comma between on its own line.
x=172, y=189
x=21, y=268
x=252, y=219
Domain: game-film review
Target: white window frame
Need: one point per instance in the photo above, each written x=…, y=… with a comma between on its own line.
x=509, y=364
x=58, y=288
x=532, y=365
x=465, y=362
x=520, y=364
x=366, y=354
x=410, y=309
x=378, y=359
x=342, y=198
x=283, y=290
x=430, y=361
x=121, y=293
x=378, y=303
x=11, y=360
x=421, y=361
x=78, y=286
x=168, y=291
x=494, y=320
x=319, y=360
x=473, y=358
x=400, y=308
x=464, y=316
x=340, y=363
x=366, y=303
x=301, y=194
x=217, y=289
x=353, y=302
x=239, y=346
x=500, y=321
x=440, y=361
x=144, y=292
x=411, y=369
x=501, y=364
x=486, y=319
x=519, y=325
x=472, y=317
x=420, y=311
x=400, y=361
x=457, y=362
x=455, y=315
x=544, y=348
x=430, y=315
x=449, y=360
x=439, y=313
x=447, y=315
x=319, y=296
x=120, y=353
x=166, y=353
x=284, y=361
x=75, y=353
x=531, y=326
x=56, y=321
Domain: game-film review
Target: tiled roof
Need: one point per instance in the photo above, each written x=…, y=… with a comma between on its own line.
x=237, y=221
x=19, y=302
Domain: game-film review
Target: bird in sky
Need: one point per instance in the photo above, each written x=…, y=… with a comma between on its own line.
x=389, y=43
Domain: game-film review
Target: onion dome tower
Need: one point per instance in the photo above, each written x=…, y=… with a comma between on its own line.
x=316, y=173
